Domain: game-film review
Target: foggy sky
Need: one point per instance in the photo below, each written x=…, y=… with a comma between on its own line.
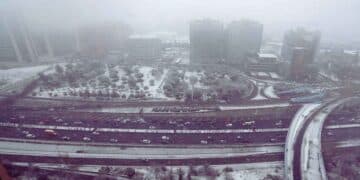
x=336, y=19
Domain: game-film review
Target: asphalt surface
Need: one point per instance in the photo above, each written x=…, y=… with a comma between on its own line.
x=231, y=130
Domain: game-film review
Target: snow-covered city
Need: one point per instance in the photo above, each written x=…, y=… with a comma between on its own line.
x=179, y=90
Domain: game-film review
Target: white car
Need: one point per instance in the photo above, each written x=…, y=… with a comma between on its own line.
x=30, y=136
x=87, y=139
x=66, y=138
x=238, y=137
x=165, y=138
x=113, y=140
x=279, y=123
x=229, y=125
x=248, y=123
x=146, y=141
x=95, y=133
x=204, y=142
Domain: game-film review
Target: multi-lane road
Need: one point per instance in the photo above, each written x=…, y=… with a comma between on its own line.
x=254, y=133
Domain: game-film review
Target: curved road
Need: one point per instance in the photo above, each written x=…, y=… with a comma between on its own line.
x=303, y=156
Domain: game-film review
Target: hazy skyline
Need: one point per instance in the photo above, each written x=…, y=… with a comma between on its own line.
x=337, y=20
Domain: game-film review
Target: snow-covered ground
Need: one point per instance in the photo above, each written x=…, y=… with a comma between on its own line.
x=274, y=75
x=262, y=74
x=197, y=75
x=259, y=96
x=254, y=106
x=253, y=171
x=330, y=76
x=151, y=90
x=256, y=171
x=269, y=91
x=16, y=74
x=157, y=89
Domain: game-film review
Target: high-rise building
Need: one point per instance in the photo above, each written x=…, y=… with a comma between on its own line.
x=308, y=40
x=99, y=39
x=143, y=48
x=297, y=64
x=300, y=48
x=243, y=39
x=206, y=41
x=16, y=42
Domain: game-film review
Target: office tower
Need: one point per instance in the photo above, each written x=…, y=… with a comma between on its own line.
x=206, y=41
x=143, y=49
x=243, y=39
x=16, y=41
x=300, y=38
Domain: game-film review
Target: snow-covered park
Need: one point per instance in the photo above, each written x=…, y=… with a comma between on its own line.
x=111, y=82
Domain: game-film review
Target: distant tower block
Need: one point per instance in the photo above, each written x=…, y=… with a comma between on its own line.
x=13, y=41
x=48, y=46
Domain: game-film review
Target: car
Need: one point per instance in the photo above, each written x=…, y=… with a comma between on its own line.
x=172, y=122
x=59, y=120
x=80, y=151
x=279, y=123
x=95, y=132
x=78, y=122
x=146, y=141
x=330, y=133
x=165, y=138
x=204, y=142
x=273, y=139
x=239, y=137
x=113, y=140
x=152, y=127
x=222, y=141
x=248, y=123
x=229, y=125
x=165, y=141
x=65, y=138
x=30, y=136
x=87, y=139
x=50, y=132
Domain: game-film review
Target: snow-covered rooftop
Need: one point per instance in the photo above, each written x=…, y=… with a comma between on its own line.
x=267, y=55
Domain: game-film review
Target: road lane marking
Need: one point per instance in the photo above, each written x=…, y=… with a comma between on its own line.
x=168, y=131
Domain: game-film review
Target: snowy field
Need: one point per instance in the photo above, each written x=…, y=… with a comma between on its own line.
x=16, y=74
x=250, y=171
x=115, y=82
x=274, y=75
x=270, y=92
x=150, y=85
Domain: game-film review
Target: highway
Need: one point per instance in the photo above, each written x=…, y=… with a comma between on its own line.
x=161, y=138
x=311, y=156
x=305, y=161
x=294, y=130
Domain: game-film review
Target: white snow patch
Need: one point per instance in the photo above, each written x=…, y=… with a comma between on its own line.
x=269, y=91
x=17, y=74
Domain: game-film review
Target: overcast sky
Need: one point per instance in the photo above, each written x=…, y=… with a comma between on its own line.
x=336, y=19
